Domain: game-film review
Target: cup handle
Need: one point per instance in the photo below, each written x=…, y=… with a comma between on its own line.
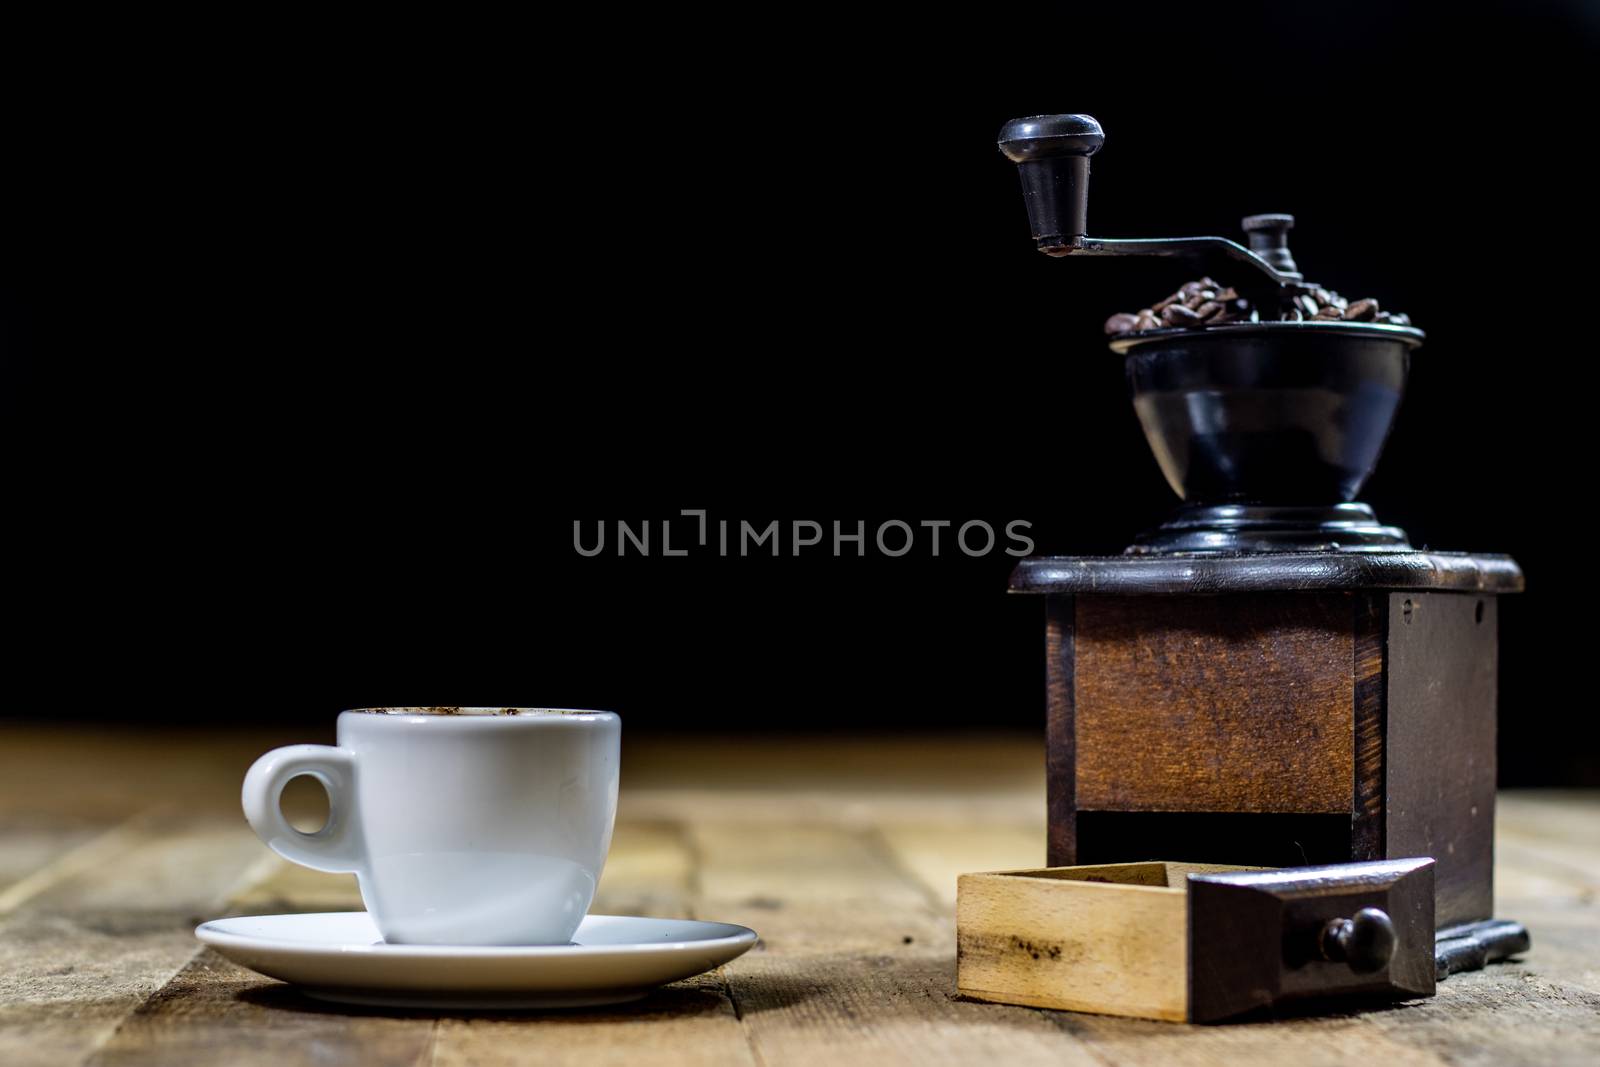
x=337, y=846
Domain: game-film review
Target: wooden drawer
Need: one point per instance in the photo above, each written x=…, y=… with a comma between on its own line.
x=1193, y=942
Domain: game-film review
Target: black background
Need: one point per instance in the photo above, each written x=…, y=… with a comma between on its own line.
x=320, y=339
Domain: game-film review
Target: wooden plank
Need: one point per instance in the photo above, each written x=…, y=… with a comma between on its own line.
x=1505, y=1014
x=863, y=782
x=279, y=886
x=1536, y=861
x=85, y=949
x=85, y=853
x=884, y=764
x=857, y=962
x=108, y=772
x=1563, y=828
x=66, y=982
x=650, y=871
x=1565, y=815
x=873, y=986
x=1566, y=948
x=1336, y=1041
x=1547, y=876
x=30, y=842
x=819, y=864
x=854, y=806
x=872, y=1008
x=215, y=1012
x=937, y=854
x=184, y=864
x=1215, y=704
x=687, y=1023
x=1522, y=875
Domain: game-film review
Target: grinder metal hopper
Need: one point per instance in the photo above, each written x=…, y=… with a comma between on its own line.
x=1266, y=430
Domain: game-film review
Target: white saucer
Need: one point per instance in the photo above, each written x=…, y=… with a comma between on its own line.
x=339, y=956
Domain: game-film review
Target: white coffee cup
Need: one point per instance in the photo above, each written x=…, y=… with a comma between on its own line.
x=463, y=826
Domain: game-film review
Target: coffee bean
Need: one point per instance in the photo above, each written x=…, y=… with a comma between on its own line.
x=1178, y=315
x=1206, y=302
x=1361, y=310
x=1234, y=311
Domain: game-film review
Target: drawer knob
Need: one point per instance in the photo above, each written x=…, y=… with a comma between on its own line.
x=1366, y=941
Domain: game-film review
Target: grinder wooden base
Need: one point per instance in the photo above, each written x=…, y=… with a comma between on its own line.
x=1275, y=709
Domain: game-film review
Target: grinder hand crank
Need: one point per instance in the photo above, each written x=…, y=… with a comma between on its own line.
x=1052, y=157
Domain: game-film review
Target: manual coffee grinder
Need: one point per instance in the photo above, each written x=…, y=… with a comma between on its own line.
x=1272, y=677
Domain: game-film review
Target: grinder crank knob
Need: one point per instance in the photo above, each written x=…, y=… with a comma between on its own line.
x=1268, y=236
x=1052, y=157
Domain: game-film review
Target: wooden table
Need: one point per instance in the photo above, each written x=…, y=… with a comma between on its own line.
x=843, y=854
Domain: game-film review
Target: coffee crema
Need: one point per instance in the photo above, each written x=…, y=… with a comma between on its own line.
x=473, y=711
